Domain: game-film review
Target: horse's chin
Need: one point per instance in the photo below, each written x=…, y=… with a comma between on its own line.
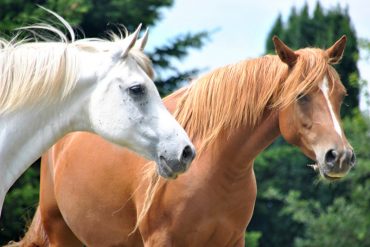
x=327, y=176
x=322, y=171
x=164, y=170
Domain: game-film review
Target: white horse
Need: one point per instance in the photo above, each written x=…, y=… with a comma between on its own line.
x=48, y=89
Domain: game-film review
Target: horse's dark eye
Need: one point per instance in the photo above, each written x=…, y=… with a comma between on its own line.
x=303, y=98
x=137, y=90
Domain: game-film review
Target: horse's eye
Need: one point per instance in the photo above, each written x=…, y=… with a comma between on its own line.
x=303, y=98
x=136, y=90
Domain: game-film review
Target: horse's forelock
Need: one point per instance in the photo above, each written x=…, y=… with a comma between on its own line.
x=310, y=69
x=143, y=61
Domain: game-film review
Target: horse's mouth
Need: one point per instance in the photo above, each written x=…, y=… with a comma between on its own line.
x=316, y=168
x=330, y=178
x=165, y=170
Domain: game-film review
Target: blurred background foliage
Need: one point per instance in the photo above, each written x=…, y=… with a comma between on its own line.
x=294, y=206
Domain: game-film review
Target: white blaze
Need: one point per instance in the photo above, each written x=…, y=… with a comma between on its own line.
x=325, y=90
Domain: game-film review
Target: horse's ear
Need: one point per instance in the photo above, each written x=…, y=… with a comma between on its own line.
x=141, y=43
x=335, y=52
x=285, y=54
x=128, y=43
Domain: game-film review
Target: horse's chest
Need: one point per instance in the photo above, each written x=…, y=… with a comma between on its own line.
x=219, y=232
x=213, y=224
x=214, y=216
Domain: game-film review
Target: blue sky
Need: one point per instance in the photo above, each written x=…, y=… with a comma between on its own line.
x=242, y=27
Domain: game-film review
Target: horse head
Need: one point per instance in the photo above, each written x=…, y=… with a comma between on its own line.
x=126, y=108
x=312, y=120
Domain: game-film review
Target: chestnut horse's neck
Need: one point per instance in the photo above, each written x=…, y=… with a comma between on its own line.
x=234, y=150
x=242, y=145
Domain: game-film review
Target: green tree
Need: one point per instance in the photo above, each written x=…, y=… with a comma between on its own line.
x=251, y=239
x=94, y=18
x=20, y=204
x=168, y=76
x=14, y=14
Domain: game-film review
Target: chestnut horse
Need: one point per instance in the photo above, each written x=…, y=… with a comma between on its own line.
x=231, y=114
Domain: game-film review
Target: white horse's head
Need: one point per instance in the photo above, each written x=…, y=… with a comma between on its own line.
x=125, y=108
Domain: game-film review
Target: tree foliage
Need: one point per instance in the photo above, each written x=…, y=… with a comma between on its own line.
x=92, y=16
x=251, y=239
x=168, y=76
x=20, y=204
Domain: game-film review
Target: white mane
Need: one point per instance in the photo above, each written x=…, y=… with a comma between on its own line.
x=42, y=68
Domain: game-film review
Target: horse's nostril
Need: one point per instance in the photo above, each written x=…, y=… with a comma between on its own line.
x=188, y=154
x=331, y=156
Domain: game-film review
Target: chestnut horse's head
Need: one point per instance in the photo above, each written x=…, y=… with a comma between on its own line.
x=312, y=120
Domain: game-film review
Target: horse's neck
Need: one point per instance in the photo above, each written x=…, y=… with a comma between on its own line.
x=26, y=133
x=232, y=155
x=227, y=165
x=249, y=142
x=236, y=152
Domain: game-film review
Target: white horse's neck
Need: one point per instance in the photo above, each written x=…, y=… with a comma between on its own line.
x=25, y=134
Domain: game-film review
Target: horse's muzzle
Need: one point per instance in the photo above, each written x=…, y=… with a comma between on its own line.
x=171, y=168
x=338, y=163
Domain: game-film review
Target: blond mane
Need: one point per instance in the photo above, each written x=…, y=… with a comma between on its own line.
x=40, y=68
